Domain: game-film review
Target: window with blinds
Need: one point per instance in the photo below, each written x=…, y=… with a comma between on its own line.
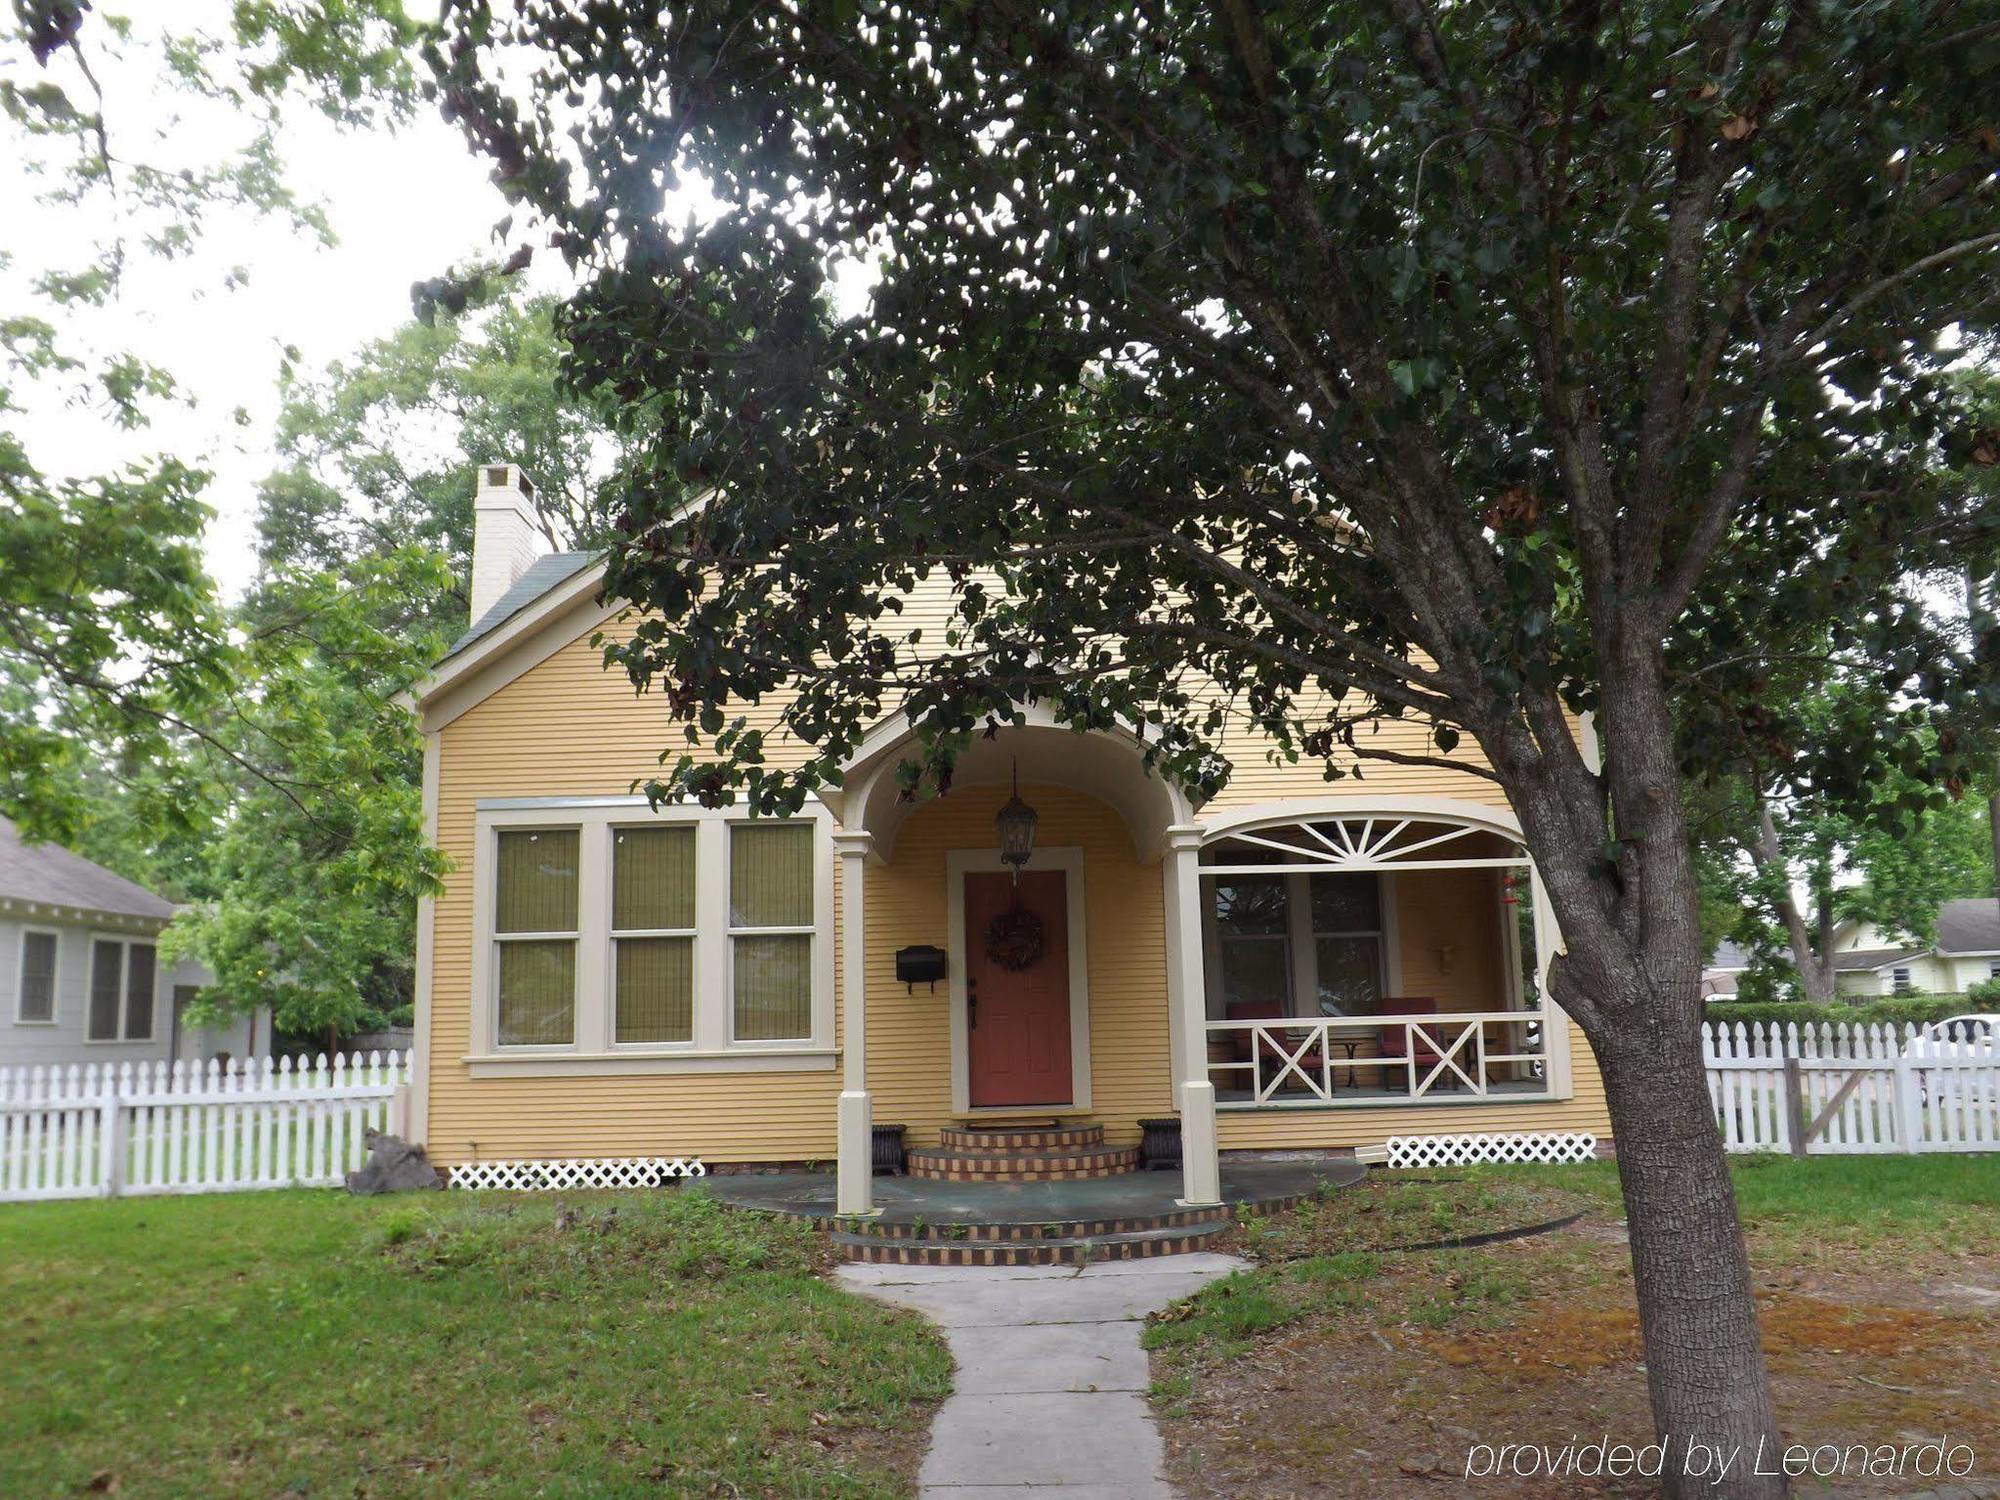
x=36, y=1001
x=535, y=935
x=653, y=933
x=770, y=931
x=622, y=931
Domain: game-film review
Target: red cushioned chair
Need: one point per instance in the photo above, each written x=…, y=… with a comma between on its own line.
x=1391, y=1039
x=1273, y=1056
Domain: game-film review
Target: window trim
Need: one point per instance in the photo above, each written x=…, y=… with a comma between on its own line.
x=54, y=1017
x=593, y=1046
x=614, y=933
x=731, y=932
x=126, y=942
x=495, y=937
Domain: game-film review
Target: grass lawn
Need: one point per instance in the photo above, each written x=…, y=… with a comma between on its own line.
x=1345, y=1366
x=310, y=1343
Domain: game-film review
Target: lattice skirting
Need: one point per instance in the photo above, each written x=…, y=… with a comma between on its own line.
x=1469, y=1150
x=559, y=1176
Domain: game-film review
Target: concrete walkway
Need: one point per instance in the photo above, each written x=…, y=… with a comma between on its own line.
x=1050, y=1393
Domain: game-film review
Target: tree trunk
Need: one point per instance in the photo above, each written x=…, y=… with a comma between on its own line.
x=1815, y=969
x=1993, y=822
x=1690, y=1271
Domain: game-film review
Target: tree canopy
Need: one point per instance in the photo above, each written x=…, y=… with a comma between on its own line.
x=1477, y=364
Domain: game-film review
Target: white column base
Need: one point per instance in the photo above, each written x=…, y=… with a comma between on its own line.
x=854, y=1193
x=1201, y=1162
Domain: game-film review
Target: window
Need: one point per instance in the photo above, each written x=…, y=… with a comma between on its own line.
x=534, y=928
x=770, y=931
x=1251, y=922
x=1899, y=981
x=652, y=940
x=35, y=999
x=123, y=975
x=1347, y=943
x=1993, y=968
x=653, y=933
x=1311, y=944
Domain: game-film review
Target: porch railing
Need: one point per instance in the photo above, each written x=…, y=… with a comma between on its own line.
x=1303, y=1058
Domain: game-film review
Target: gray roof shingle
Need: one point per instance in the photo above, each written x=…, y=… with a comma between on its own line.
x=52, y=876
x=543, y=574
x=1971, y=925
x=1858, y=960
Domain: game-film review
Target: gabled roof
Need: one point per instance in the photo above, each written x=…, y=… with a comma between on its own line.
x=543, y=574
x=50, y=875
x=1862, y=960
x=1970, y=925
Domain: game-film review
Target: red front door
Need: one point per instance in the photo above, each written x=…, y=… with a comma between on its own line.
x=1017, y=1020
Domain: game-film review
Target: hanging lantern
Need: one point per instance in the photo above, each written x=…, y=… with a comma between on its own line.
x=1015, y=825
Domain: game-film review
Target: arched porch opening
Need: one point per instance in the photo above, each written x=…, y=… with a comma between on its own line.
x=1362, y=952
x=878, y=820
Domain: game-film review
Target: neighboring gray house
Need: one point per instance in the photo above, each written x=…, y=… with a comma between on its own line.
x=80, y=974
x=1720, y=975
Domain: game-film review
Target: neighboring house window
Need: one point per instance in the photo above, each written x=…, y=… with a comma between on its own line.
x=1899, y=981
x=770, y=931
x=35, y=1001
x=1993, y=968
x=653, y=933
x=612, y=930
x=535, y=933
x=122, y=979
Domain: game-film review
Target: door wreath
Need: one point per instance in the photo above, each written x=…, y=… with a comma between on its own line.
x=1014, y=939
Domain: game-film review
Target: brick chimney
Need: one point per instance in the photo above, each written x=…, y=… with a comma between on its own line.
x=505, y=534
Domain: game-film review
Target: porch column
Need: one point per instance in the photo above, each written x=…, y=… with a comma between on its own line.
x=1555, y=1025
x=1187, y=1006
x=854, y=1192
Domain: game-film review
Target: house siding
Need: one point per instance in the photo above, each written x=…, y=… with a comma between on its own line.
x=63, y=1043
x=568, y=728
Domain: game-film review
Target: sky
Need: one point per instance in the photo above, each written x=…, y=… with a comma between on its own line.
x=404, y=206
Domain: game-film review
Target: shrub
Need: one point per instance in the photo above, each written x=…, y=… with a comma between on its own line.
x=1890, y=1010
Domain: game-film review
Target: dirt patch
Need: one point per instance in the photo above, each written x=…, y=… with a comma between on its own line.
x=1383, y=1392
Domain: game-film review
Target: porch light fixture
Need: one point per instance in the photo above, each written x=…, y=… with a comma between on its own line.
x=1015, y=825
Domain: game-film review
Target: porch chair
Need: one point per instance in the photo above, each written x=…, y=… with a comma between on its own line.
x=1392, y=1039
x=1273, y=1058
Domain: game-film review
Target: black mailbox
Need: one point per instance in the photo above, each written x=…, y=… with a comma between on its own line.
x=920, y=964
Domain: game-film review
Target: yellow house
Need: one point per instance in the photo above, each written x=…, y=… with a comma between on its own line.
x=1295, y=965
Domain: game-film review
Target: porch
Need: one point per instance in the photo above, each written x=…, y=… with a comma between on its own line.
x=1319, y=953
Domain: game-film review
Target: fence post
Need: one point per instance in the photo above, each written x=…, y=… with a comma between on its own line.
x=1909, y=1103
x=1795, y=1105
x=112, y=1142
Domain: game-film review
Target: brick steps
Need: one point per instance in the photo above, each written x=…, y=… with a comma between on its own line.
x=967, y=1164
x=1020, y=1137
x=1070, y=1249
x=949, y=1232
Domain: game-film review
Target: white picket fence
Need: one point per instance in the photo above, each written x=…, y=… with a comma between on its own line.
x=111, y=1129
x=1844, y=1089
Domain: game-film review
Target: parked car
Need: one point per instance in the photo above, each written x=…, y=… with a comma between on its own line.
x=1956, y=1036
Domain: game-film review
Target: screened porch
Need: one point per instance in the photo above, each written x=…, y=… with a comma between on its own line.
x=1367, y=960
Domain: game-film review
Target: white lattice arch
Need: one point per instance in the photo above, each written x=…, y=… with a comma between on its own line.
x=1551, y=1148
x=566, y=1175
x=1370, y=833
